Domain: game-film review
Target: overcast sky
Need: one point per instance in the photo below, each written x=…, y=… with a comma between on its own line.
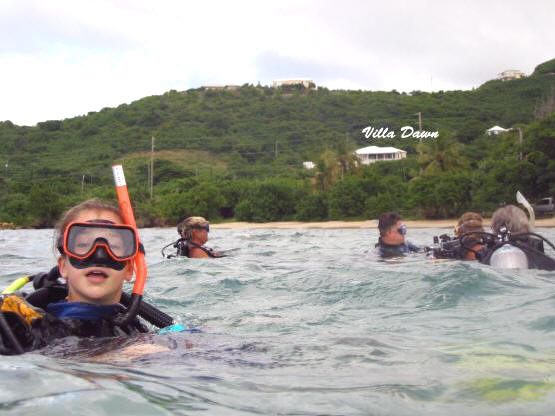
x=64, y=58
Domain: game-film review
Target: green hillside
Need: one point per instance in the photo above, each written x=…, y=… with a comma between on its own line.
x=248, y=134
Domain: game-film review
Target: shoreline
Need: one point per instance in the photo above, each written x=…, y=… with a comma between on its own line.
x=369, y=224
x=366, y=224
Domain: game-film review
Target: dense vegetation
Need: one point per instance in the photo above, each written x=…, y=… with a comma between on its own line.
x=238, y=154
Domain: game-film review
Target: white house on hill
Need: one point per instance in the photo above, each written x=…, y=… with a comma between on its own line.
x=309, y=165
x=371, y=154
x=496, y=130
x=306, y=83
x=511, y=74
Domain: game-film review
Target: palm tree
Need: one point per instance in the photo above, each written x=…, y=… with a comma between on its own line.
x=346, y=158
x=328, y=171
x=441, y=154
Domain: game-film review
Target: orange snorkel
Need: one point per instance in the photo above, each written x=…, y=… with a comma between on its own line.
x=140, y=263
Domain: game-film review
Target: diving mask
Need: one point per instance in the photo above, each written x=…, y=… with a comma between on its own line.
x=82, y=239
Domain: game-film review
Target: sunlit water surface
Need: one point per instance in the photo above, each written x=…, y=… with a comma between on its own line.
x=305, y=322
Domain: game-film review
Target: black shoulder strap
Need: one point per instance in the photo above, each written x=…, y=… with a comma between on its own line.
x=207, y=250
x=54, y=291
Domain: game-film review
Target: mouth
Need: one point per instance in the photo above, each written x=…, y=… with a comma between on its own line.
x=97, y=274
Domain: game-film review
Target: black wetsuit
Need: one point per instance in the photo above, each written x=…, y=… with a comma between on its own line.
x=183, y=249
x=532, y=247
x=35, y=328
x=395, y=250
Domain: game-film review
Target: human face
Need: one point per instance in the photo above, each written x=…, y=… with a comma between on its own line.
x=396, y=234
x=97, y=285
x=200, y=233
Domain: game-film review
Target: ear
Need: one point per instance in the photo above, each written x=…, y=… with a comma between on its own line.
x=62, y=266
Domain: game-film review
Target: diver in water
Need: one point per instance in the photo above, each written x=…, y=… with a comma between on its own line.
x=96, y=250
x=194, y=234
x=516, y=246
x=391, y=242
x=467, y=242
x=468, y=223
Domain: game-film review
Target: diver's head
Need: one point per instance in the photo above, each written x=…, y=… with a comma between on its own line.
x=509, y=257
x=512, y=218
x=392, y=229
x=93, y=275
x=194, y=229
x=469, y=222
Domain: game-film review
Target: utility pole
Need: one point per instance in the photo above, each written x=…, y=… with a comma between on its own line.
x=520, y=140
x=152, y=167
x=82, y=184
x=420, y=138
x=276, y=150
x=419, y=122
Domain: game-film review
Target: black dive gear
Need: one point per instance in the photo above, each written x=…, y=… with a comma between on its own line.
x=395, y=250
x=182, y=249
x=34, y=329
x=446, y=247
x=24, y=326
x=530, y=243
x=48, y=289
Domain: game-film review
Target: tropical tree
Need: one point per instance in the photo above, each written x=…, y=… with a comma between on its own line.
x=328, y=171
x=441, y=155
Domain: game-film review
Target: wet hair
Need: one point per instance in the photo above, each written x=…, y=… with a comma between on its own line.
x=468, y=222
x=387, y=220
x=512, y=218
x=72, y=213
x=185, y=227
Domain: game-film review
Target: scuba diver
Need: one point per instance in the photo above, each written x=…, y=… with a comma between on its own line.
x=518, y=247
x=512, y=244
x=193, y=232
x=469, y=222
x=451, y=248
x=391, y=242
x=96, y=252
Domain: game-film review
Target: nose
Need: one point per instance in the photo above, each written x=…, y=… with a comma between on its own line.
x=100, y=254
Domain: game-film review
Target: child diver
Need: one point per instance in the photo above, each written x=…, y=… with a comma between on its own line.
x=96, y=253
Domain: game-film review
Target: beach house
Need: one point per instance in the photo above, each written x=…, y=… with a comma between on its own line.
x=371, y=154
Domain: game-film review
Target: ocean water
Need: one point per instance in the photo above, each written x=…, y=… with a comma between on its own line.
x=303, y=322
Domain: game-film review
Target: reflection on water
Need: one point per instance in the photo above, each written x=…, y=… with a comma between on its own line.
x=302, y=322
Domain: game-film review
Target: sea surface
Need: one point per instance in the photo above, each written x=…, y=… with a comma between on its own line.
x=302, y=322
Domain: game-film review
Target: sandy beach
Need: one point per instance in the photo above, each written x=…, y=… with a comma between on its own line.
x=449, y=223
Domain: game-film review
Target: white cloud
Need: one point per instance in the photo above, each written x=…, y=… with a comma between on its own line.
x=64, y=58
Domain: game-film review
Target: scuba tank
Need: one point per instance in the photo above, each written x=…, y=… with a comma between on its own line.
x=509, y=257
